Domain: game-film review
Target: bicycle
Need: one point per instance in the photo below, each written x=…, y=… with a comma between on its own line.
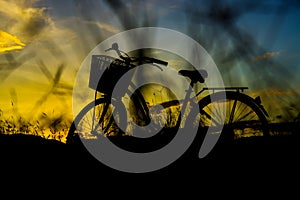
x=244, y=116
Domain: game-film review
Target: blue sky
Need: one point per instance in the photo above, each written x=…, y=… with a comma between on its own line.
x=253, y=43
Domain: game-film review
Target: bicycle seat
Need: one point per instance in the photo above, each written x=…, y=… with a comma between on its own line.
x=194, y=75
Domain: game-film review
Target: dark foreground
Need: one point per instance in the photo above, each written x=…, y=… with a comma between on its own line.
x=244, y=160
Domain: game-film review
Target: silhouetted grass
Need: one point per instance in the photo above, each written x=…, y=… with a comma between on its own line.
x=55, y=126
x=46, y=126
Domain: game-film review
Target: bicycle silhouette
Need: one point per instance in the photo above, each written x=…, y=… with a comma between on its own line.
x=225, y=109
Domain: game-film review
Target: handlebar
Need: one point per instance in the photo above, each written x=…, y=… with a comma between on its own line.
x=115, y=47
x=157, y=61
x=127, y=59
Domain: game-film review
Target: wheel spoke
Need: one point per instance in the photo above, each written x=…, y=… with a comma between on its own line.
x=243, y=116
x=246, y=115
x=241, y=110
x=232, y=112
x=94, y=120
x=210, y=117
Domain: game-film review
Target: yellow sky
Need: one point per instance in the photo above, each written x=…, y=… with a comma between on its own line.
x=33, y=64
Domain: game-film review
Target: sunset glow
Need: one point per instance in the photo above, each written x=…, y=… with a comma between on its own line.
x=43, y=44
x=9, y=42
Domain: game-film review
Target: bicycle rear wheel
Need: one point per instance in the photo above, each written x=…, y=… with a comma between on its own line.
x=236, y=116
x=99, y=117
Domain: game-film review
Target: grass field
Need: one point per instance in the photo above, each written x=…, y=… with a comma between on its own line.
x=39, y=147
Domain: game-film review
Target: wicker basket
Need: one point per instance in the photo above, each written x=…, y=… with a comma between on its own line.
x=105, y=73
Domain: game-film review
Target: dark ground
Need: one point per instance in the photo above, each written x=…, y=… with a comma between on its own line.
x=265, y=161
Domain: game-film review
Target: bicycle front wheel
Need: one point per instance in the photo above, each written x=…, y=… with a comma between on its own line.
x=238, y=115
x=99, y=117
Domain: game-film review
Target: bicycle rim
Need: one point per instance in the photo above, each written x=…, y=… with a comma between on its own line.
x=240, y=114
x=97, y=118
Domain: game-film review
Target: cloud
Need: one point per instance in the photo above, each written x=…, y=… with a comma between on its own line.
x=9, y=42
x=23, y=19
x=104, y=26
x=266, y=55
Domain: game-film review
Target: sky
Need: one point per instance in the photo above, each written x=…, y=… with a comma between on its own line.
x=43, y=43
